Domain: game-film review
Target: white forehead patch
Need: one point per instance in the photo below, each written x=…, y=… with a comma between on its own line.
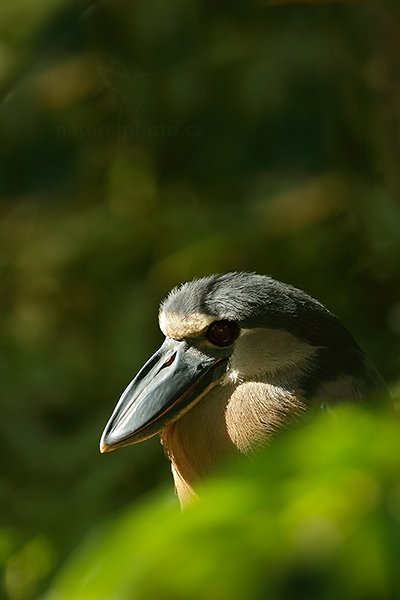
x=178, y=326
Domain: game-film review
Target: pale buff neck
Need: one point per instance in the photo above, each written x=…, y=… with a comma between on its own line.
x=231, y=418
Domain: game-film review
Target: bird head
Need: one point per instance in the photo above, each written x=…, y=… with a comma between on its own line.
x=228, y=330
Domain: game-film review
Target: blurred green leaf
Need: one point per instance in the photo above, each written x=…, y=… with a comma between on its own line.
x=315, y=515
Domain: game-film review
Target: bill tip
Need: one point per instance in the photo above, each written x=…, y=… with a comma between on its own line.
x=104, y=447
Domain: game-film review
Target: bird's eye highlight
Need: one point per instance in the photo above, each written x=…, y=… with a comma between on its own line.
x=223, y=333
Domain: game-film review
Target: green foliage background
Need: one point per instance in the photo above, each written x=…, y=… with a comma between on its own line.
x=144, y=143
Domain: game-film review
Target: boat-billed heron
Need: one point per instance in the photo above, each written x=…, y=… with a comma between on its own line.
x=243, y=355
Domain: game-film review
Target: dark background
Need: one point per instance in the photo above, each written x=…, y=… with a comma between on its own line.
x=142, y=144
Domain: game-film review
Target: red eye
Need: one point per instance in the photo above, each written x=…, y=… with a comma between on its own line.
x=223, y=333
